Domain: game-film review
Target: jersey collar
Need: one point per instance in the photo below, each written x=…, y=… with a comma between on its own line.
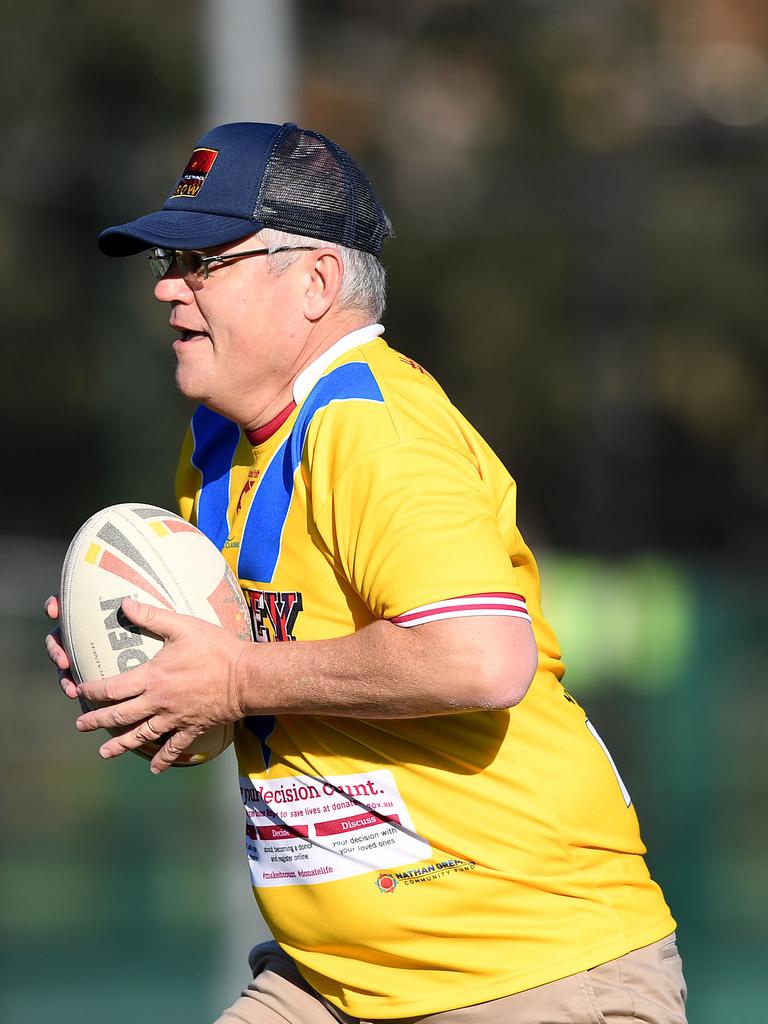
x=311, y=374
x=262, y=434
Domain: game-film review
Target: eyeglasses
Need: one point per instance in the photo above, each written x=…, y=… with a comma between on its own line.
x=194, y=265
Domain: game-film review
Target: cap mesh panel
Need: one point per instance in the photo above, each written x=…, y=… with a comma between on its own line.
x=313, y=187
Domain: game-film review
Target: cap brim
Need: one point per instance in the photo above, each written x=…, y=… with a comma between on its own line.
x=174, y=229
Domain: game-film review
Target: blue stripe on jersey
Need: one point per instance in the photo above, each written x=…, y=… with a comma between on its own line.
x=262, y=727
x=216, y=439
x=263, y=534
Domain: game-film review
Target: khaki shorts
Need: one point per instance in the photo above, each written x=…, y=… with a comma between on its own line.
x=645, y=986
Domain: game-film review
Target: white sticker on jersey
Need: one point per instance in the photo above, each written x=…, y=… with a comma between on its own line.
x=302, y=830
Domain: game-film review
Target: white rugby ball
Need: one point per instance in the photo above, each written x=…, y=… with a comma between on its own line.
x=147, y=553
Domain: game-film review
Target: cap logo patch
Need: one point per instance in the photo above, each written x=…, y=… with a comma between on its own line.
x=194, y=174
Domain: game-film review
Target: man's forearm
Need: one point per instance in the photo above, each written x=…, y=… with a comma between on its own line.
x=386, y=671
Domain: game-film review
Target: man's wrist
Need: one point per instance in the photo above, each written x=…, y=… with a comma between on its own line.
x=241, y=686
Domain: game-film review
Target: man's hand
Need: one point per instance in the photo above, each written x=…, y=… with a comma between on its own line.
x=189, y=686
x=56, y=652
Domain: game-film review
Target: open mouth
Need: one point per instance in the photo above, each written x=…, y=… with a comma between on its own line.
x=185, y=336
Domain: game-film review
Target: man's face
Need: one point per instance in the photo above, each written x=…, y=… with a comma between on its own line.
x=239, y=334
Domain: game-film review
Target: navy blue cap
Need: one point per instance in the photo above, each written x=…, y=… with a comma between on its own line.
x=247, y=176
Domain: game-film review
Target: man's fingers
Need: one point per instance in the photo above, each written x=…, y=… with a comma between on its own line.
x=114, y=688
x=117, y=716
x=68, y=686
x=60, y=659
x=171, y=750
x=149, y=731
x=55, y=651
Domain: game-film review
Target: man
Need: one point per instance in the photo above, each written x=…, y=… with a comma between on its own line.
x=434, y=829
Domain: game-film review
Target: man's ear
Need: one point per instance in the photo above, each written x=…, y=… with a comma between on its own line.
x=326, y=272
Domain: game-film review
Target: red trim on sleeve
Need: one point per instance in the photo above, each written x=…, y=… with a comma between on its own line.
x=471, y=604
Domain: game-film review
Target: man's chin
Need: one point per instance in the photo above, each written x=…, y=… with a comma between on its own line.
x=190, y=388
x=194, y=392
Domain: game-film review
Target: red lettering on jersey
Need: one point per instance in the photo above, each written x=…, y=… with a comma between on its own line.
x=283, y=610
x=414, y=365
x=278, y=608
x=250, y=483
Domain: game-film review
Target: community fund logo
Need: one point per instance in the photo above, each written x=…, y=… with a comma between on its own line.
x=388, y=881
x=194, y=174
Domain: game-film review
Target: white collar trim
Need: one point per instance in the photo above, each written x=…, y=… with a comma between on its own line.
x=311, y=374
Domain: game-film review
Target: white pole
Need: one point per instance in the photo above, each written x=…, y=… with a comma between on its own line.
x=249, y=47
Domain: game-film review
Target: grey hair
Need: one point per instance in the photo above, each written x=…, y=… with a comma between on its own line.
x=364, y=285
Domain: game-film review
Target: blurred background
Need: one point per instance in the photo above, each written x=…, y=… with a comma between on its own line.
x=580, y=196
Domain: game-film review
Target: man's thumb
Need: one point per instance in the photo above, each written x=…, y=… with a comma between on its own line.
x=149, y=617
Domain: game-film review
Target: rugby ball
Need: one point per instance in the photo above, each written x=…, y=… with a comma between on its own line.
x=140, y=551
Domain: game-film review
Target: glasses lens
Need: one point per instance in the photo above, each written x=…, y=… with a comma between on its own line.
x=191, y=263
x=160, y=261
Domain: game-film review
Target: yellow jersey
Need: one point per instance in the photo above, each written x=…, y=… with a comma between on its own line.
x=414, y=865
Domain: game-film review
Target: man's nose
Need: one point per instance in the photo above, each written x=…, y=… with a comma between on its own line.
x=172, y=288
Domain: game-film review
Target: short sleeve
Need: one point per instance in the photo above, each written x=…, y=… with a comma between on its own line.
x=414, y=529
